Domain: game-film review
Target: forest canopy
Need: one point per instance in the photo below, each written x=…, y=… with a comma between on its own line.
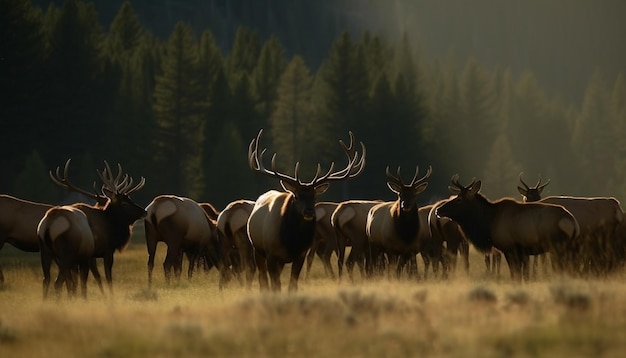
x=175, y=91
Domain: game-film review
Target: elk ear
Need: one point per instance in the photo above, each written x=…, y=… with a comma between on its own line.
x=475, y=188
x=288, y=187
x=394, y=187
x=522, y=191
x=420, y=188
x=321, y=189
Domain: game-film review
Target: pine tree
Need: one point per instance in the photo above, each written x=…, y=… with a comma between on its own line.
x=21, y=64
x=179, y=109
x=291, y=120
x=126, y=32
x=501, y=170
x=267, y=72
x=245, y=52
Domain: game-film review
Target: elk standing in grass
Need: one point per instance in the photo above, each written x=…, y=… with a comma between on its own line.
x=324, y=240
x=235, y=246
x=517, y=229
x=282, y=224
x=397, y=227
x=186, y=228
x=349, y=221
x=68, y=233
x=529, y=195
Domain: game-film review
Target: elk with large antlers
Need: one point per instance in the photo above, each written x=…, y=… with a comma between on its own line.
x=68, y=234
x=19, y=219
x=282, y=224
x=517, y=229
x=399, y=228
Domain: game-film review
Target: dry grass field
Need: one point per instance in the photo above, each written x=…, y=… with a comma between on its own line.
x=464, y=316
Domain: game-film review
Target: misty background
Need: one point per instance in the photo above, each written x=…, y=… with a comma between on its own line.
x=485, y=88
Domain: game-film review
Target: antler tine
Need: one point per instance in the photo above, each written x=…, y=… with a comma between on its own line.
x=256, y=161
x=544, y=184
x=424, y=178
x=522, y=181
x=455, y=181
x=105, y=177
x=349, y=147
x=139, y=185
x=66, y=184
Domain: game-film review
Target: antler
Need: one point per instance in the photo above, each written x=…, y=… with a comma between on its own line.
x=414, y=182
x=537, y=186
x=458, y=187
x=122, y=183
x=354, y=168
x=64, y=182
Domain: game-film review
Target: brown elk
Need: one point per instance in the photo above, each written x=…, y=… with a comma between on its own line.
x=517, y=229
x=598, y=217
x=349, y=222
x=282, y=224
x=235, y=246
x=186, y=228
x=64, y=236
x=397, y=227
x=324, y=240
x=19, y=219
x=532, y=194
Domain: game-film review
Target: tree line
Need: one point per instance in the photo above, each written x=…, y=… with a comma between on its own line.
x=181, y=112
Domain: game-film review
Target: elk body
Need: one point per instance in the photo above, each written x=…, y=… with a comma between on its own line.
x=398, y=227
x=186, y=228
x=63, y=233
x=349, y=221
x=282, y=224
x=235, y=246
x=324, y=240
x=598, y=218
x=517, y=229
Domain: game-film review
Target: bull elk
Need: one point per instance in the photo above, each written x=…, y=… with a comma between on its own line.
x=236, y=248
x=65, y=238
x=516, y=229
x=19, y=219
x=532, y=194
x=399, y=227
x=186, y=228
x=282, y=224
x=598, y=217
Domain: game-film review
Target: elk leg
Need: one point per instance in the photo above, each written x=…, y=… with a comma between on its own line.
x=93, y=267
x=311, y=256
x=261, y=264
x=83, y=269
x=341, y=253
x=61, y=279
x=514, y=259
x=151, y=245
x=1, y=276
x=296, y=267
x=274, y=267
x=325, y=257
x=46, y=262
x=108, y=268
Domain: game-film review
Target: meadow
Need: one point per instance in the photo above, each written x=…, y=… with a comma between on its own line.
x=468, y=315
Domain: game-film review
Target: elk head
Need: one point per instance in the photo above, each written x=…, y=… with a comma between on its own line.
x=407, y=193
x=64, y=182
x=118, y=190
x=305, y=193
x=464, y=203
x=531, y=194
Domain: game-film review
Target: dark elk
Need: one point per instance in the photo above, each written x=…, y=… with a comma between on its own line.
x=19, y=219
x=516, y=229
x=445, y=230
x=282, y=224
x=349, y=221
x=70, y=234
x=186, y=228
x=397, y=228
x=593, y=252
x=235, y=247
x=531, y=194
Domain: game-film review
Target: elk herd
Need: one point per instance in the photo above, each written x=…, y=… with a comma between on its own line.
x=582, y=236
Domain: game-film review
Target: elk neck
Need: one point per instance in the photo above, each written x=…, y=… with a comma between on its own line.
x=476, y=223
x=296, y=233
x=407, y=223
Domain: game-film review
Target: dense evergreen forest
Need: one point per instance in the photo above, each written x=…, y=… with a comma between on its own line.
x=175, y=91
